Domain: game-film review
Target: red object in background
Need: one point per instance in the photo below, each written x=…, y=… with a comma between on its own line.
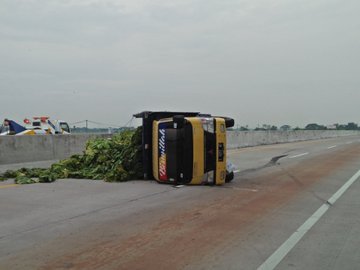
x=27, y=121
x=41, y=118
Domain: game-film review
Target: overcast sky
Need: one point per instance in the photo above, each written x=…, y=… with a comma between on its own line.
x=259, y=61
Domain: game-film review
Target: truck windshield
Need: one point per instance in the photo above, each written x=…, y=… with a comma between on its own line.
x=65, y=127
x=3, y=128
x=210, y=151
x=179, y=152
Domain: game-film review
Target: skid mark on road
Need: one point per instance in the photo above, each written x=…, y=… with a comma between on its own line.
x=272, y=162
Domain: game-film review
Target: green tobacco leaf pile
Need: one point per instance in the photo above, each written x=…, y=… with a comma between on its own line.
x=115, y=159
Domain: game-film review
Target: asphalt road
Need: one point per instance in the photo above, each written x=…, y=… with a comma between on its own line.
x=285, y=213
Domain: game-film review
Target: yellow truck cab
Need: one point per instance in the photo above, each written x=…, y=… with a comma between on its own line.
x=185, y=148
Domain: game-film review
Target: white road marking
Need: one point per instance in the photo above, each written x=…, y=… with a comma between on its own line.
x=348, y=142
x=330, y=147
x=180, y=186
x=237, y=171
x=300, y=155
x=290, y=243
x=246, y=189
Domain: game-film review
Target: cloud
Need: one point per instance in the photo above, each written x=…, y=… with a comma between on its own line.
x=182, y=54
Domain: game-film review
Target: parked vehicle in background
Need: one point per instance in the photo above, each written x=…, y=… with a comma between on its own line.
x=4, y=127
x=48, y=125
x=37, y=126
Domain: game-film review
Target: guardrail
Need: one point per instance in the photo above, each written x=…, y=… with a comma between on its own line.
x=240, y=139
x=18, y=149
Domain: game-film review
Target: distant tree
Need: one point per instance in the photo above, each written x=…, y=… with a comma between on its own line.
x=297, y=128
x=242, y=128
x=322, y=127
x=266, y=127
x=314, y=126
x=351, y=126
x=340, y=127
x=285, y=128
x=311, y=126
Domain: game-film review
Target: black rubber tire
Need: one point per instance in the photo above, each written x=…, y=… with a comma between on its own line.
x=229, y=122
x=229, y=177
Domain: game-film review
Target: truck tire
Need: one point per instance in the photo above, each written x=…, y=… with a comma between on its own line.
x=229, y=122
x=229, y=177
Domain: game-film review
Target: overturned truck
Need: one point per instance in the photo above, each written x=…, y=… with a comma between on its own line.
x=185, y=147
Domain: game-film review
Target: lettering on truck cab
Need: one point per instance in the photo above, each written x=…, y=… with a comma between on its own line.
x=162, y=155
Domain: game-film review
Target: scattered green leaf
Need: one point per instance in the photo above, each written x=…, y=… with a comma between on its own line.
x=115, y=159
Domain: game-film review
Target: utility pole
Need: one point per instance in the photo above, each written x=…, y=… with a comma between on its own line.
x=86, y=121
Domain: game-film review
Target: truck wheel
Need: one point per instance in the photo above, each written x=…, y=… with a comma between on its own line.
x=229, y=177
x=229, y=122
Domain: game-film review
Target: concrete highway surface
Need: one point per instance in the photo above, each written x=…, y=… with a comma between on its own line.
x=290, y=206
